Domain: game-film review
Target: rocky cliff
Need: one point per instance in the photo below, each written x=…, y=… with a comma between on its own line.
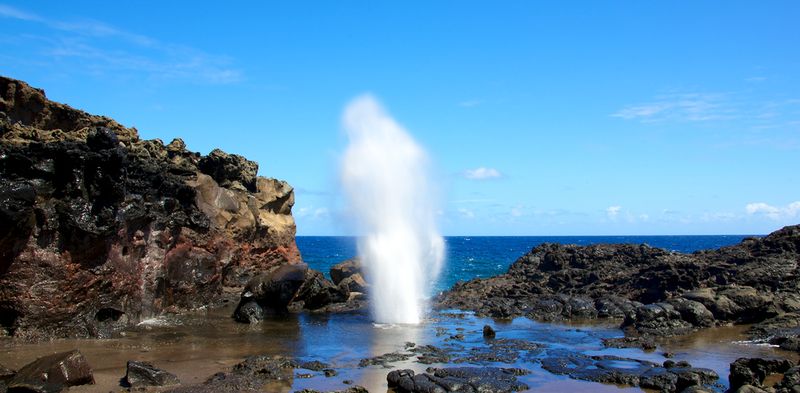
x=100, y=229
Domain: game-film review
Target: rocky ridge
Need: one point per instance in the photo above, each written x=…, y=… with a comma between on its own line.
x=100, y=229
x=654, y=292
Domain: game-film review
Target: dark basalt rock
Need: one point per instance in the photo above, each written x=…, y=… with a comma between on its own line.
x=653, y=291
x=317, y=292
x=229, y=169
x=270, y=293
x=140, y=374
x=752, y=371
x=100, y=229
x=345, y=269
x=256, y=373
x=631, y=372
x=488, y=332
x=458, y=379
x=53, y=373
x=384, y=360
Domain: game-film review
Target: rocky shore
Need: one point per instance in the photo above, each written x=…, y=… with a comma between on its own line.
x=100, y=230
x=652, y=292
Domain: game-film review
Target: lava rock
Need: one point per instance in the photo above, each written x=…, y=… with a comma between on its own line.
x=317, y=292
x=488, y=332
x=256, y=373
x=229, y=169
x=141, y=374
x=53, y=373
x=654, y=292
x=626, y=371
x=752, y=371
x=354, y=283
x=461, y=379
x=270, y=292
x=345, y=269
x=111, y=228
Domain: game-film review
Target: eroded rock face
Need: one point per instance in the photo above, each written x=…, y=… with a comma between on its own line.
x=654, y=291
x=100, y=229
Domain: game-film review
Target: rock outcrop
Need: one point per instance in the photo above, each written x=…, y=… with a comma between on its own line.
x=100, y=229
x=654, y=291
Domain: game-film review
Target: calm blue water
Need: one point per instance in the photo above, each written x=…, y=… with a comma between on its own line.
x=482, y=256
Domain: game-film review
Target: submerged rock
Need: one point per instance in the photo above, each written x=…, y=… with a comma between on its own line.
x=53, y=373
x=256, y=373
x=100, y=229
x=140, y=374
x=460, y=379
x=631, y=372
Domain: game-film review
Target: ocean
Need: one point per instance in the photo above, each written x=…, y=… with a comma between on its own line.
x=469, y=257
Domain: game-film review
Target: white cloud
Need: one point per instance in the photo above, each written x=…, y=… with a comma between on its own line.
x=791, y=210
x=516, y=211
x=482, y=173
x=680, y=107
x=466, y=213
x=613, y=211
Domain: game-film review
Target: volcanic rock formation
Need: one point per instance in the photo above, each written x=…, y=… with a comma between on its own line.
x=654, y=291
x=100, y=229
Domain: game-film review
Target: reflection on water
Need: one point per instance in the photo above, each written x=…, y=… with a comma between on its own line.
x=197, y=346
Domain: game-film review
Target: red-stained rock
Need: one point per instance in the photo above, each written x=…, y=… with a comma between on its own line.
x=100, y=229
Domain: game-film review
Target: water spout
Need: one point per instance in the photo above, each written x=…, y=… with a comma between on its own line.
x=385, y=175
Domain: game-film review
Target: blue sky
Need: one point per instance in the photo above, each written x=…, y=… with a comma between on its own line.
x=542, y=118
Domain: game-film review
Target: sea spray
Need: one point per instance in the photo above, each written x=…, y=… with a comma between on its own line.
x=385, y=175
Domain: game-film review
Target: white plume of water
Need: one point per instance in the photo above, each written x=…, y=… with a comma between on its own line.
x=385, y=176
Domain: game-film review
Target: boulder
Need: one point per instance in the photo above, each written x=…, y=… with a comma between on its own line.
x=270, y=292
x=140, y=374
x=488, y=332
x=354, y=283
x=317, y=292
x=345, y=269
x=53, y=373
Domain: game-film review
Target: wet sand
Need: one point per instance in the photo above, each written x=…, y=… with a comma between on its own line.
x=196, y=346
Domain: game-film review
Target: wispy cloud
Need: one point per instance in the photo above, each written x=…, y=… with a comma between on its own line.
x=691, y=107
x=791, y=210
x=14, y=13
x=613, y=211
x=482, y=173
x=466, y=213
x=470, y=103
x=312, y=212
x=103, y=48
